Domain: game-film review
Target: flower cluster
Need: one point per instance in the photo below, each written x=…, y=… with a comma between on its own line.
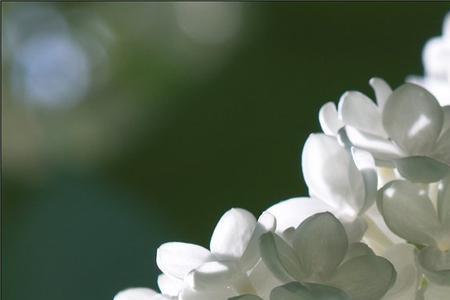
x=376, y=224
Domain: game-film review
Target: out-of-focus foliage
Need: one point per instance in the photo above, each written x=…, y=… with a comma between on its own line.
x=124, y=123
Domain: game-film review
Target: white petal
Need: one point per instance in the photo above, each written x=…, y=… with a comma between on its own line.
x=355, y=228
x=443, y=203
x=308, y=291
x=446, y=124
x=402, y=256
x=245, y=297
x=291, y=212
x=331, y=175
x=266, y=223
x=413, y=119
x=421, y=168
x=313, y=240
x=178, y=259
x=366, y=165
x=357, y=110
x=439, y=87
x=263, y=280
x=232, y=234
x=169, y=286
x=379, y=147
x=291, y=291
x=163, y=297
x=217, y=294
x=280, y=258
x=436, y=292
x=378, y=236
x=435, y=263
x=442, y=150
x=135, y=294
x=356, y=250
x=211, y=275
x=382, y=91
x=408, y=212
x=328, y=118
x=366, y=277
x=435, y=56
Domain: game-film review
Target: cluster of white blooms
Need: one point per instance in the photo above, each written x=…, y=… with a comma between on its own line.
x=436, y=61
x=376, y=224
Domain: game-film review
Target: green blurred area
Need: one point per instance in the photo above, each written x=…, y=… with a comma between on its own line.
x=184, y=113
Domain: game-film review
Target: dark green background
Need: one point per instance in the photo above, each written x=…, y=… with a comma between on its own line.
x=231, y=139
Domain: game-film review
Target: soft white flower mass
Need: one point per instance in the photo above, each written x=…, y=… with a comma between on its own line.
x=376, y=223
x=436, y=62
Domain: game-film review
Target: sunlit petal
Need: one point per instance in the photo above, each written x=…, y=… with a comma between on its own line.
x=232, y=234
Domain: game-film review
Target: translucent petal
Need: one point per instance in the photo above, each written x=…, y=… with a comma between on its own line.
x=266, y=222
x=356, y=250
x=378, y=236
x=163, y=297
x=328, y=118
x=168, y=285
x=435, y=263
x=421, y=169
x=434, y=57
x=365, y=277
x=402, y=256
x=443, y=203
x=446, y=124
x=232, y=234
x=263, y=280
x=379, y=147
x=382, y=91
x=245, y=297
x=442, y=149
x=135, y=294
x=408, y=212
x=291, y=212
x=365, y=163
x=307, y=291
x=313, y=240
x=178, y=259
x=355, y=229
x=291, y=291
x=280, y=258
x=219, y=293
x=327, y=170
x=357, y=110
x=325, y=292
x=413, y=119
x=436, y=292
x=211, y=275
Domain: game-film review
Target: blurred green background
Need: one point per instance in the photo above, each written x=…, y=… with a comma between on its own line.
x=126, y=125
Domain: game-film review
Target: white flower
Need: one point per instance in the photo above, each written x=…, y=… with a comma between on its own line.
x=335, y=184
x=340, y=181
x=406, y=287
x=408, y=129
x=319, y=252
x=297, y=291
x=436, y=61
x=193, y=272
x=410, y=213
